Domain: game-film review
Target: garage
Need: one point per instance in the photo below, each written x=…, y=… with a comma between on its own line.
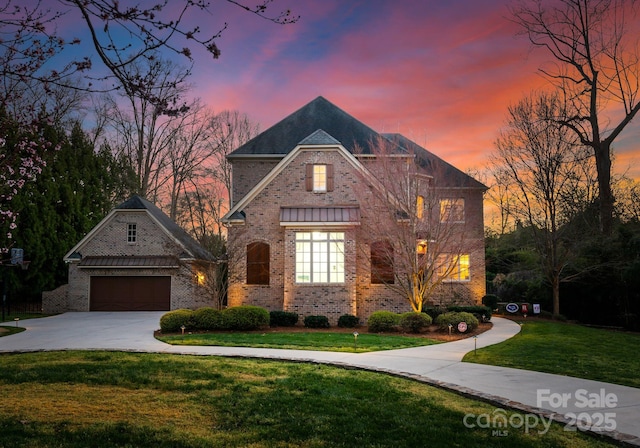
x=130, y=293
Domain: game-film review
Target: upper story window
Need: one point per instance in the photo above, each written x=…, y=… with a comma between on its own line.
x=132, y=233
x=319, y=178
x=258, y=263
x=320, y=257
x=452, y=210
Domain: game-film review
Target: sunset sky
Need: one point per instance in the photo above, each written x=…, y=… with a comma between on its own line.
x=440, y=72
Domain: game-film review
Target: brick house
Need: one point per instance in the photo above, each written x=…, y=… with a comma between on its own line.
x=299, y=227
x=135, y=259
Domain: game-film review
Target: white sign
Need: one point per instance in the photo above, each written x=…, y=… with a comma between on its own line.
x=512, y=307
x=536, y=308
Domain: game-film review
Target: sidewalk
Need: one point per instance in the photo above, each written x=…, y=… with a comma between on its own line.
x=529, y=392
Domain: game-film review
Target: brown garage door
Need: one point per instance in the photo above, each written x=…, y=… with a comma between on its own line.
x=130, y=293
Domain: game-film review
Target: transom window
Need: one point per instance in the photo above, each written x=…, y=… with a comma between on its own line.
x=132, y=233
x=320, y=257
x=452, y=210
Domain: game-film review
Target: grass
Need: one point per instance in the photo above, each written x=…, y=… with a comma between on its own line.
x=568, y=349
x=94, y=399
x=7, y=330
x=323, y=341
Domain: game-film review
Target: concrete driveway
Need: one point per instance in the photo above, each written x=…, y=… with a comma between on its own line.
x=436, y=364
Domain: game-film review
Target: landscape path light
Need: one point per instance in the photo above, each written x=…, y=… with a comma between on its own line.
x=355, y=340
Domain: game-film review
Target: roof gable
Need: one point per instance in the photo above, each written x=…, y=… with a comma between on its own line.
x=192, y=248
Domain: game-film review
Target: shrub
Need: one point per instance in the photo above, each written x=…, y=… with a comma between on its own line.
x=477, y=311
x=381, y=321
x=172, y=321
x=316, y=322
x=454, y=318
x=208, y=319
x=282, y=319
x=246, y=317
x=490, y=300
x=412, y=322
x=348, y=321
x=433, y=311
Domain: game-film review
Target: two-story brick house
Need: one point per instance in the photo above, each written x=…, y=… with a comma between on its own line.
x=300, y=228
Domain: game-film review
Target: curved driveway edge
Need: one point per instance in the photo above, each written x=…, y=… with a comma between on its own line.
x=532, y=393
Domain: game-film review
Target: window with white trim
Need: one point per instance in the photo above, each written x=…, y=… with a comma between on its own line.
x=320, y=257
x=132, y=233
x=319, y=177
x=454, y=268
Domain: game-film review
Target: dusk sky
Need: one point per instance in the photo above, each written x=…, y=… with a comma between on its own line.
x=442, y=73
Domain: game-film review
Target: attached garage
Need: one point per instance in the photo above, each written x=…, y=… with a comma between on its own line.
x=127, y=293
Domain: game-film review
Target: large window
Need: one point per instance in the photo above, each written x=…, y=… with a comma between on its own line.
x=382, y=262
x=454, y=267
x=257, y=263
x=452, y=210
x=320, y=257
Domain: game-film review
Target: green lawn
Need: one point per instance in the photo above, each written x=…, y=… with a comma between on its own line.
x=324, y=341
x=568, y=349
x=99, y=399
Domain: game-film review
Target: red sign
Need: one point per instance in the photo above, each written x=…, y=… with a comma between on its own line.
x=462, y=327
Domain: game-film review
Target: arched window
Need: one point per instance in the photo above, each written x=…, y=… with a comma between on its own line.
x=257, y=263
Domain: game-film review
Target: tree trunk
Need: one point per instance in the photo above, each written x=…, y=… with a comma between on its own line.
x=602, y=152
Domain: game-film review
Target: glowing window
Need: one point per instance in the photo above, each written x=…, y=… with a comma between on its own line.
x=320, y=257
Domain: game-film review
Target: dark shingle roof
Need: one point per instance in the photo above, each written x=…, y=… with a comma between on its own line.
x=195, y=249
x=321, y=122
x=285, y=135
x=445, y=174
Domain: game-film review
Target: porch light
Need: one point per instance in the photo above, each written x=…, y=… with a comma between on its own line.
x=200, y=278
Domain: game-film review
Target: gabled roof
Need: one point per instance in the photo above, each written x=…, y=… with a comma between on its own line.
x=285, y=135
x=322, y=123
x=192, y=248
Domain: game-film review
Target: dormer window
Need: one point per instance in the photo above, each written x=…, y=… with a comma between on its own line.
x=132, y=233
x=319, y=178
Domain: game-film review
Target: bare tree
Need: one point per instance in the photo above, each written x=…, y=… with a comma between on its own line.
x=145, y=129
x=596, y=68
x=540, y=163
x=122, y=34
x=414, y=225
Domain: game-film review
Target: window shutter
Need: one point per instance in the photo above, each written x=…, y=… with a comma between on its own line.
x=309, y=177
x=329, y=177
x=258, y=263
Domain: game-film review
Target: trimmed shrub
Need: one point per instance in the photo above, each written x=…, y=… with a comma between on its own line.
x=381, y=321
x=490, y=300
x=246, y=317
x=282, y=319
x=172, y=321
x=454, y=318
x=477, y=311
x=348, y=321
x=207, y=319
x=412, y=322
x=433, y=311
x=316, y=322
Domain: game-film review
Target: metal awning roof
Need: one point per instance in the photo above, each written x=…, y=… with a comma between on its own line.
x=345, y=215
x=124, y=262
